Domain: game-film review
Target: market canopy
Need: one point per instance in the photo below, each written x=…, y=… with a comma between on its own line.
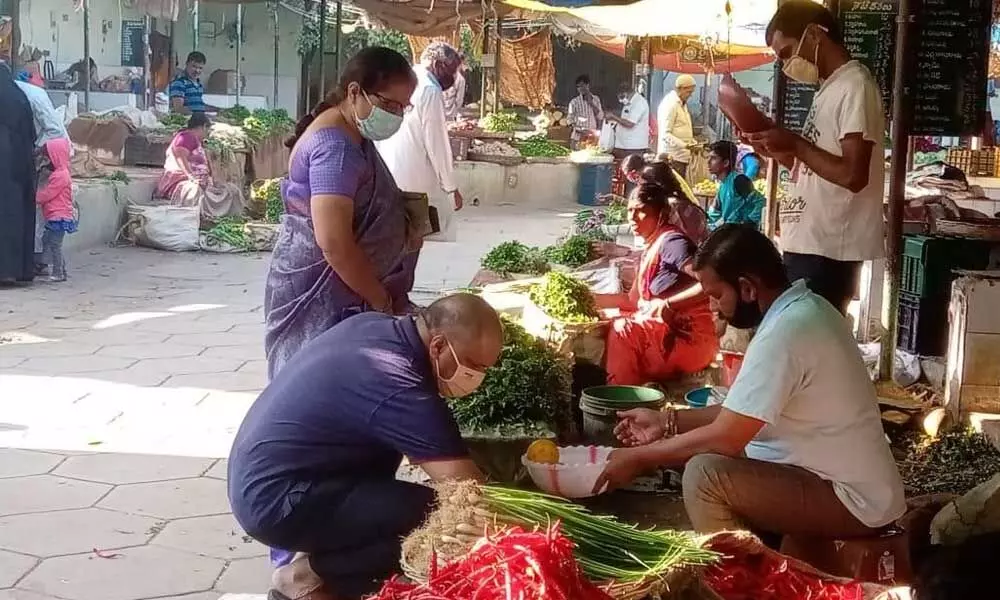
x=744, y=25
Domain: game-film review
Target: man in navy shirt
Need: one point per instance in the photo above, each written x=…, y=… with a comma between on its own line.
x=312, y=469
x=186, y=91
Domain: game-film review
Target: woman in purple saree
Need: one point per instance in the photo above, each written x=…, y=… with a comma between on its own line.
x=343, y=242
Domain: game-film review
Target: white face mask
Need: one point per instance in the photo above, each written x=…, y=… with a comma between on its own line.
x=465, y=380
x=380, y=124
x=799, y=69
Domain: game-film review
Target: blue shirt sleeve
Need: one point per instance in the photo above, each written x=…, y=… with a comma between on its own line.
x=675, y=251
x=335, y=167
x=418, y=425
x=177, y=89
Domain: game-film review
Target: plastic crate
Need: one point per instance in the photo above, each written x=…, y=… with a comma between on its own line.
x=928, y=263
x=923, y=325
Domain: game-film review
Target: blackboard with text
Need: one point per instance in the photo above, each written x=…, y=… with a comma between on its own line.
x=948, y=81
x=133, y=32
x=869, y=29
x=797, y=103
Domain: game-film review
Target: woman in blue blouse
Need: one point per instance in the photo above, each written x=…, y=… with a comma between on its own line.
x=737, y=200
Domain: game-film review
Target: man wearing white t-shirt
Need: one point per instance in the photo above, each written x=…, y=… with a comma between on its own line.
x=797, y=447
x=831, y=220
x=632, y=127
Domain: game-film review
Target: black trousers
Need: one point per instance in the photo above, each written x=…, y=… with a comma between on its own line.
x=352, y=530
x=835, y=280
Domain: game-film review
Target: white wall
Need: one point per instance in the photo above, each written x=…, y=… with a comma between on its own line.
x=53, y=25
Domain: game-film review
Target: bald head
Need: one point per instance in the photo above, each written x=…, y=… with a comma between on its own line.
x=470, y=325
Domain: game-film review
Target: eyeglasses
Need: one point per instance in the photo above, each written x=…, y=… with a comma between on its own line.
x=393, y=106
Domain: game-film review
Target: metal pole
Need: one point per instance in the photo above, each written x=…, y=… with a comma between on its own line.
x=322, y=50
x=337, y=36
x=496, y=69
x=239, y=51
x=86, y=55
x=147, y=64
x=771, y=209
x=196, y=24
x=897, y=189
x=274, y=14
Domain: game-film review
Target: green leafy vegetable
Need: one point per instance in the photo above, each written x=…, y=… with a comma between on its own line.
x=526, y=391
x=572, y=252
x=230, y=231
x=515, y=257
x=268, y=193
x=118, y=175
x=235, y=114
x=264, y=123
x=499, y=122
x=174, y=122
x=564, y=298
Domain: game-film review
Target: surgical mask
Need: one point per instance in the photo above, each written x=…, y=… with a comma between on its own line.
x=746, y=316
x=380, y=124
x=464, y=381
x=799, y=69
x=623, y=99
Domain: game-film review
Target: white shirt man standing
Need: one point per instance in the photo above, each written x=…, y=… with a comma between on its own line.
x=632, y=127
x=419, y=154
x=831, y=220
x=676, y=132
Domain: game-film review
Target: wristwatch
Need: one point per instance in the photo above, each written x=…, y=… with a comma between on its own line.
x=669, y=422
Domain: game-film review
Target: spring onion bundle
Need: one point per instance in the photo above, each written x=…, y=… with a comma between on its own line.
x=606, y=548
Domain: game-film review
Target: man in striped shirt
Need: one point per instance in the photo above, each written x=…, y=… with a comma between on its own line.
x=585, y=113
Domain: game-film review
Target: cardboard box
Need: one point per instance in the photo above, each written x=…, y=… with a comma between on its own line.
x=972, y=380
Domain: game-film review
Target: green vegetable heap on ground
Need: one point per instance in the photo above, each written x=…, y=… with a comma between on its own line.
x=515, y=257
x=522, y=393
x=267, y=192
x=499, y=122
x=571, y=252
x=230, y=231
x=539, y=145
x=564, y=298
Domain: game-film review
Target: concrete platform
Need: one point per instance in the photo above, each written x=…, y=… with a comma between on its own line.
x=102, y=205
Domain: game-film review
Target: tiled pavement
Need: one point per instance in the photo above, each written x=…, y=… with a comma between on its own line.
x=120, y=392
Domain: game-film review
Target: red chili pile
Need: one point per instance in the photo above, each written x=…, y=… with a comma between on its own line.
x=510, y=565
x=767, y=576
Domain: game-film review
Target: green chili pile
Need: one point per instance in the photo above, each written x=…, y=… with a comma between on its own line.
x=564, y=298
x=539, y=145
x=229, y=231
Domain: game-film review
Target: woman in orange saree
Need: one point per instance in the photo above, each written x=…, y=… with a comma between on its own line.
x=666, y=328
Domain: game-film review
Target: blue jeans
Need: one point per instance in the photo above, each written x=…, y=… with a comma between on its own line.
x=52, y=252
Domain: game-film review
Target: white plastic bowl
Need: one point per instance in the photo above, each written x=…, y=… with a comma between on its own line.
x=575, y=475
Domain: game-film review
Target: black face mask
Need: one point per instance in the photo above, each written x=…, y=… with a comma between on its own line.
x=746, y=316
x=445, y=80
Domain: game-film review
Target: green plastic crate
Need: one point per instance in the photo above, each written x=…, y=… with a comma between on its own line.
x=929, y=262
